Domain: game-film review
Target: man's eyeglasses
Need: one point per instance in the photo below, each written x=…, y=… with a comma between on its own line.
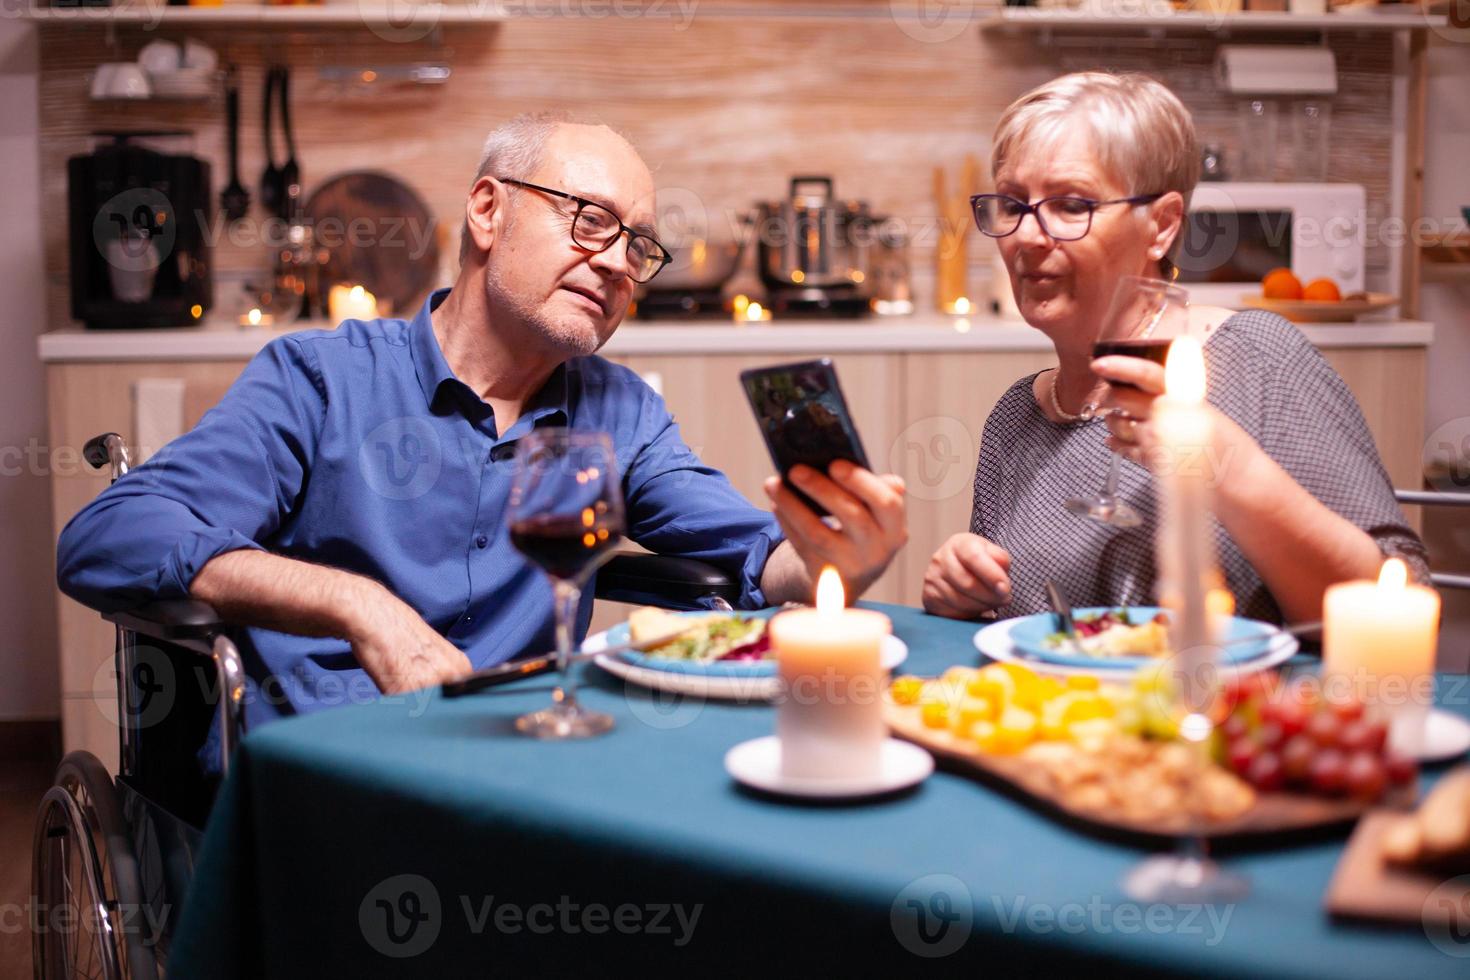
x=1065, y=219
x=595, y=228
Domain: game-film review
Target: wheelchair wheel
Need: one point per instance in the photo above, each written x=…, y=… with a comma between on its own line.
x=87, y=905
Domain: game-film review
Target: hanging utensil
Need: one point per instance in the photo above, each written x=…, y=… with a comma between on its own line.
x=272, y=194
x=290, y=170
x=234, y=199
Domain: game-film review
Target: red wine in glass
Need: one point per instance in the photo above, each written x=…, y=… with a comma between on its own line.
x=565, y=545
x=1149, y=348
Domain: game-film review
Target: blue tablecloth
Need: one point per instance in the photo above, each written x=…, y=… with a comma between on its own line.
x=424, y=837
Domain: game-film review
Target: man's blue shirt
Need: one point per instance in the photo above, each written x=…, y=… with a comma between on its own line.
x=358, y=448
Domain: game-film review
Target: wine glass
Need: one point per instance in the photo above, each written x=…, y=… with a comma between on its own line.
x=1190, y=691
x=566, y=515
x=1142, y=321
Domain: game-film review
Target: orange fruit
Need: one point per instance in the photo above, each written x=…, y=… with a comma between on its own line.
x=1281, y=284
x=1323, y=291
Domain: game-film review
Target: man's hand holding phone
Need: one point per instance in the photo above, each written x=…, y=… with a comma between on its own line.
x=870, y=518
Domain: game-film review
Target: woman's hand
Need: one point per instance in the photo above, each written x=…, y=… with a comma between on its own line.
x=967, y=577
x=1130, y=408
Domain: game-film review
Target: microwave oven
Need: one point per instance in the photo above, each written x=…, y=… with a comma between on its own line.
x=1235, y=233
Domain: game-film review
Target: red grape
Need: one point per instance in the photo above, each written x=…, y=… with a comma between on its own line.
x=1328, y=772
x=1324, y=728
x=1270, y=735
x=1297, y=756
x=1291, y=716
x=1242, y=753
x=1265, y=773
x=1235, y=727
x=1346, y=708
x=1399, y=769
x=1364, y=776
x=1362, y=736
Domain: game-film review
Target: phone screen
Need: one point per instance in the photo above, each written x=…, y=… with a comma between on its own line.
x=803, y=417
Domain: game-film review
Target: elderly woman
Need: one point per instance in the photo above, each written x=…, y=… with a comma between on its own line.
x=1302, y=499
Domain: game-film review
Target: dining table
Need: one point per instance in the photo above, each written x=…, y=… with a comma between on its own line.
x=418, y=835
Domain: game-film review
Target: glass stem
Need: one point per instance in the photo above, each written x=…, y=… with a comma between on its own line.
x=1193, y=848
x=1110, y=491
x=567, y=596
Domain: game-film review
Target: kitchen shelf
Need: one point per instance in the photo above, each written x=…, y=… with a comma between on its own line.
x=1015, y=20
x=132, y=13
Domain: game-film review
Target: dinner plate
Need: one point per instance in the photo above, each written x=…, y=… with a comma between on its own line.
x=994, y=641
x=757, y=764
x=1030, y=633
x=733, y=680
x=1446, y=736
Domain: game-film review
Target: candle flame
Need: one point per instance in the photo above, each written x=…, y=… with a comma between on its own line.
x=1184, y=371
x=254, y=317
x=1393, y=575
x=754, y=311
x=960, y=306
x=830, y=597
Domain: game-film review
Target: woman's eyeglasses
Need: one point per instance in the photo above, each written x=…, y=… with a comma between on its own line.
x=595, y=228
x=1065, y=219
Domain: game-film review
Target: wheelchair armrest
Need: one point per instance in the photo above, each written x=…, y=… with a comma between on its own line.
x=170, y=620
x=664, y=580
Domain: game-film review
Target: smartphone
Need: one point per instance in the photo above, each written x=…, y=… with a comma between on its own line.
x=803, y=418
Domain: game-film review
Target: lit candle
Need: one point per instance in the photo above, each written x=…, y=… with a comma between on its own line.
x=960, y=307
x=1380, y=638
x=830, y=721
x=346, y=302
x=1186, y=547
x=256, y=318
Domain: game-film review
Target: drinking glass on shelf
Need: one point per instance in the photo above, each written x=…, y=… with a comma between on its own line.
x=1310, y=139
x=1142, y=321
x=1256, y=123
x=566, y=515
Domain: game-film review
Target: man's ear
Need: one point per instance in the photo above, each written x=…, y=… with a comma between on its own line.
x=485, y=213
x=1168, y=218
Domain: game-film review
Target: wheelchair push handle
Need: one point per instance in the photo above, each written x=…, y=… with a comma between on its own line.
x=107, y=448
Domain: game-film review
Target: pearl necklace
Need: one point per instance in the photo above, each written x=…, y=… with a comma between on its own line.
x=1089, y=410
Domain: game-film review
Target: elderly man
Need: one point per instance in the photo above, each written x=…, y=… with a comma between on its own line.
x=346, y=499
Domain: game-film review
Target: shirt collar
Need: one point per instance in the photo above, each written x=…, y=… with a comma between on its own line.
x=434, y=372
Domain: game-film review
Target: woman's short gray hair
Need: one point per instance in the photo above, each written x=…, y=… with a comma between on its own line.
x=514, y=149
x=1142, y=134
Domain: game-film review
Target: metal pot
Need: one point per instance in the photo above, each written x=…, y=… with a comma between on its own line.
x=811, y=239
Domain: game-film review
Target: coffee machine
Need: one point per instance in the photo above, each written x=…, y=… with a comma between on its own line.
x=138, y=205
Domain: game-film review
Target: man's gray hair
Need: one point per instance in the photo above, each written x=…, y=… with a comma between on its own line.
x=514, y=149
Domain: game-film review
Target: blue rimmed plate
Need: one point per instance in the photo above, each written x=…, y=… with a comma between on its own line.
x=739, y=680
x=1247, y=639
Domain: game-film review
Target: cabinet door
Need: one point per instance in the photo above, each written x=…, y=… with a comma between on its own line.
x=85, y=400
x=948, y=398
x=1389, y=384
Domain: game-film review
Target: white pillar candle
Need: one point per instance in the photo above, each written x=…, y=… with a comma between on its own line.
x=1186, y=547
x=1379, y=641
x=830, y=718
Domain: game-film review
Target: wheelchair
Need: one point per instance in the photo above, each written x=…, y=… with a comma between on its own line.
x=119, y=853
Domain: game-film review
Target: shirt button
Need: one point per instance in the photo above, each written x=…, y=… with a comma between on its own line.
x=481, y=541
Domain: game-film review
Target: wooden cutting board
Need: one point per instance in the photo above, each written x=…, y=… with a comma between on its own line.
x=1365, y=886
x=1282, y=815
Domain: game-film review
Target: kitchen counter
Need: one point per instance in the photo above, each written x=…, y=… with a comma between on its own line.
x=913, y=334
